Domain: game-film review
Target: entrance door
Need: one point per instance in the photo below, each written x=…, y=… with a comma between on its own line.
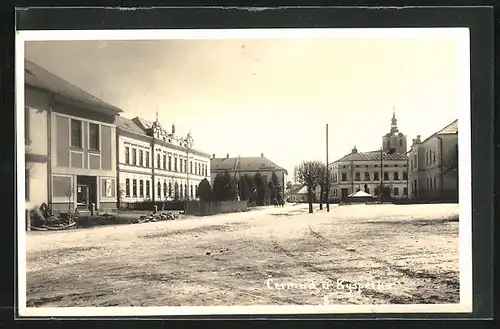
x=344, y=193
x=88, y=184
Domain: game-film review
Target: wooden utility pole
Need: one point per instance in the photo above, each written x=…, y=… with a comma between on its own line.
x=381, y=174
x=327, y=175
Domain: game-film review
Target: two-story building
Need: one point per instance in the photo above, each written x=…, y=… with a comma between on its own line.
x=70, y=139
x=240, y=166
x=367, y=171
x=157, y=165
x=433, y=165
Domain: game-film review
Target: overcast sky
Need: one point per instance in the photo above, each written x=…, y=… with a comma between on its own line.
x=247, y=97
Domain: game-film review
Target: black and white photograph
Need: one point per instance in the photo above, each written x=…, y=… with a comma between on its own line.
x=244, y=171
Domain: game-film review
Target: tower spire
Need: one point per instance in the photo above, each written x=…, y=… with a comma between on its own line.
x=156, y=115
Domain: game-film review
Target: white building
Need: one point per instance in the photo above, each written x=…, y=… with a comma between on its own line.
x=366, y=171
x=156, y=165
x=434, y=165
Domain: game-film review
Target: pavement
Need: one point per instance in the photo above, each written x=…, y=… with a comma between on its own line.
x=356, y=254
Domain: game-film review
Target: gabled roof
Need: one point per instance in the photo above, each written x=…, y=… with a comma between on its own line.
x=38, y=77
x=245, y=164
x=142, y=123
x=372, y=156
x=129, y=125
x=452, y=128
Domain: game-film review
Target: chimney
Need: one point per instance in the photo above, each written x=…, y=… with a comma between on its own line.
x=227, y=156
x=354, y=150
x=418, y=138
x=262, y=155
x=213, y=156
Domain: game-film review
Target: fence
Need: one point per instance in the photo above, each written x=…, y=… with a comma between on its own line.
x=206, y=208
x=148, y=205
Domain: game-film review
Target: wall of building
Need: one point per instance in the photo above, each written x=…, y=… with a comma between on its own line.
x=266, y=174
x=166, y=172
x=428, y=167
x=369, y=174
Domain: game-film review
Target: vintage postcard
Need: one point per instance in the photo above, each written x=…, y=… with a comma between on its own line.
x=246, y=171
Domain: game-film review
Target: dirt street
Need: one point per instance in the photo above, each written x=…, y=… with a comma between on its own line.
x=359, y=254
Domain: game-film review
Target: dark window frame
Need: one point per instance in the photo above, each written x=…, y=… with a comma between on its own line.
x=94, y=137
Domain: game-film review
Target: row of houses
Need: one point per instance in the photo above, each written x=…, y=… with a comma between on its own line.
x=81, y=153
x=428, y=171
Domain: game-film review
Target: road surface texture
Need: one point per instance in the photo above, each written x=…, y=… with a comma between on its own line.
x=357, y=254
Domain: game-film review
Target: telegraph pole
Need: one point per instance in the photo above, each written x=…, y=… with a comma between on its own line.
x=327, y=175
x=381, y=174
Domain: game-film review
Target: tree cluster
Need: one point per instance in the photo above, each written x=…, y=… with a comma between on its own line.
x=313, y=174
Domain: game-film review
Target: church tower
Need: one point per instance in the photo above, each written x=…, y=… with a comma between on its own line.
x=394, y=141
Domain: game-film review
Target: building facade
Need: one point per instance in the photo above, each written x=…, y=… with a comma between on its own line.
x=157, y=165
x=367, y=171
x=240, y=166
x=434, y=165
x=70, y=140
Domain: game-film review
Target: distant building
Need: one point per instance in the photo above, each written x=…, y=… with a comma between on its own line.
x=155, y=164
x=366, y=171
x=248, y=166
x=298, y=193
x=70, y=145
x=434, y=165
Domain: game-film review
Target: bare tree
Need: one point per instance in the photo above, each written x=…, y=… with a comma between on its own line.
x=322, y=185
x=309, y=174
x=450, y=163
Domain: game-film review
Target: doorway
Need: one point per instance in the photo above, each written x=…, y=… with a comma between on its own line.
x=86, y=193
x=344, y=193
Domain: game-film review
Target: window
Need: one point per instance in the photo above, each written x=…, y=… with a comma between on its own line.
x=170, y=189
x=147, y=189
x=344, y=176
x=196, y=190
x=141, y=188
x=127, y=187
x=93, y=136
x=27, y=126
x=199, y=171
x=190, y=167
x=358, y=176
x=405, y=175
x=180, y=191
x=396, y=175
x=396, y=191
x=386, y=175
x=76, y=133
x=400, y=142
x=180, y=165
x=195, y=168
x=191, y=191
x=405, y=191
x=175, y=165
x=127, y=155
x=169, y=162
x=367, y=175
x=134, y=188
x=27, y=184
x=158, y=161
x=134, y=157
x=185, y=190
x=375, y=176
x=165, y=189
x=411, y=164
x=158, y=190
x=147, y=159
x=434, y=157
x=141, y=158
x=165, y=161
x=435, y=186
x=206, y=170
x=334, y=177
